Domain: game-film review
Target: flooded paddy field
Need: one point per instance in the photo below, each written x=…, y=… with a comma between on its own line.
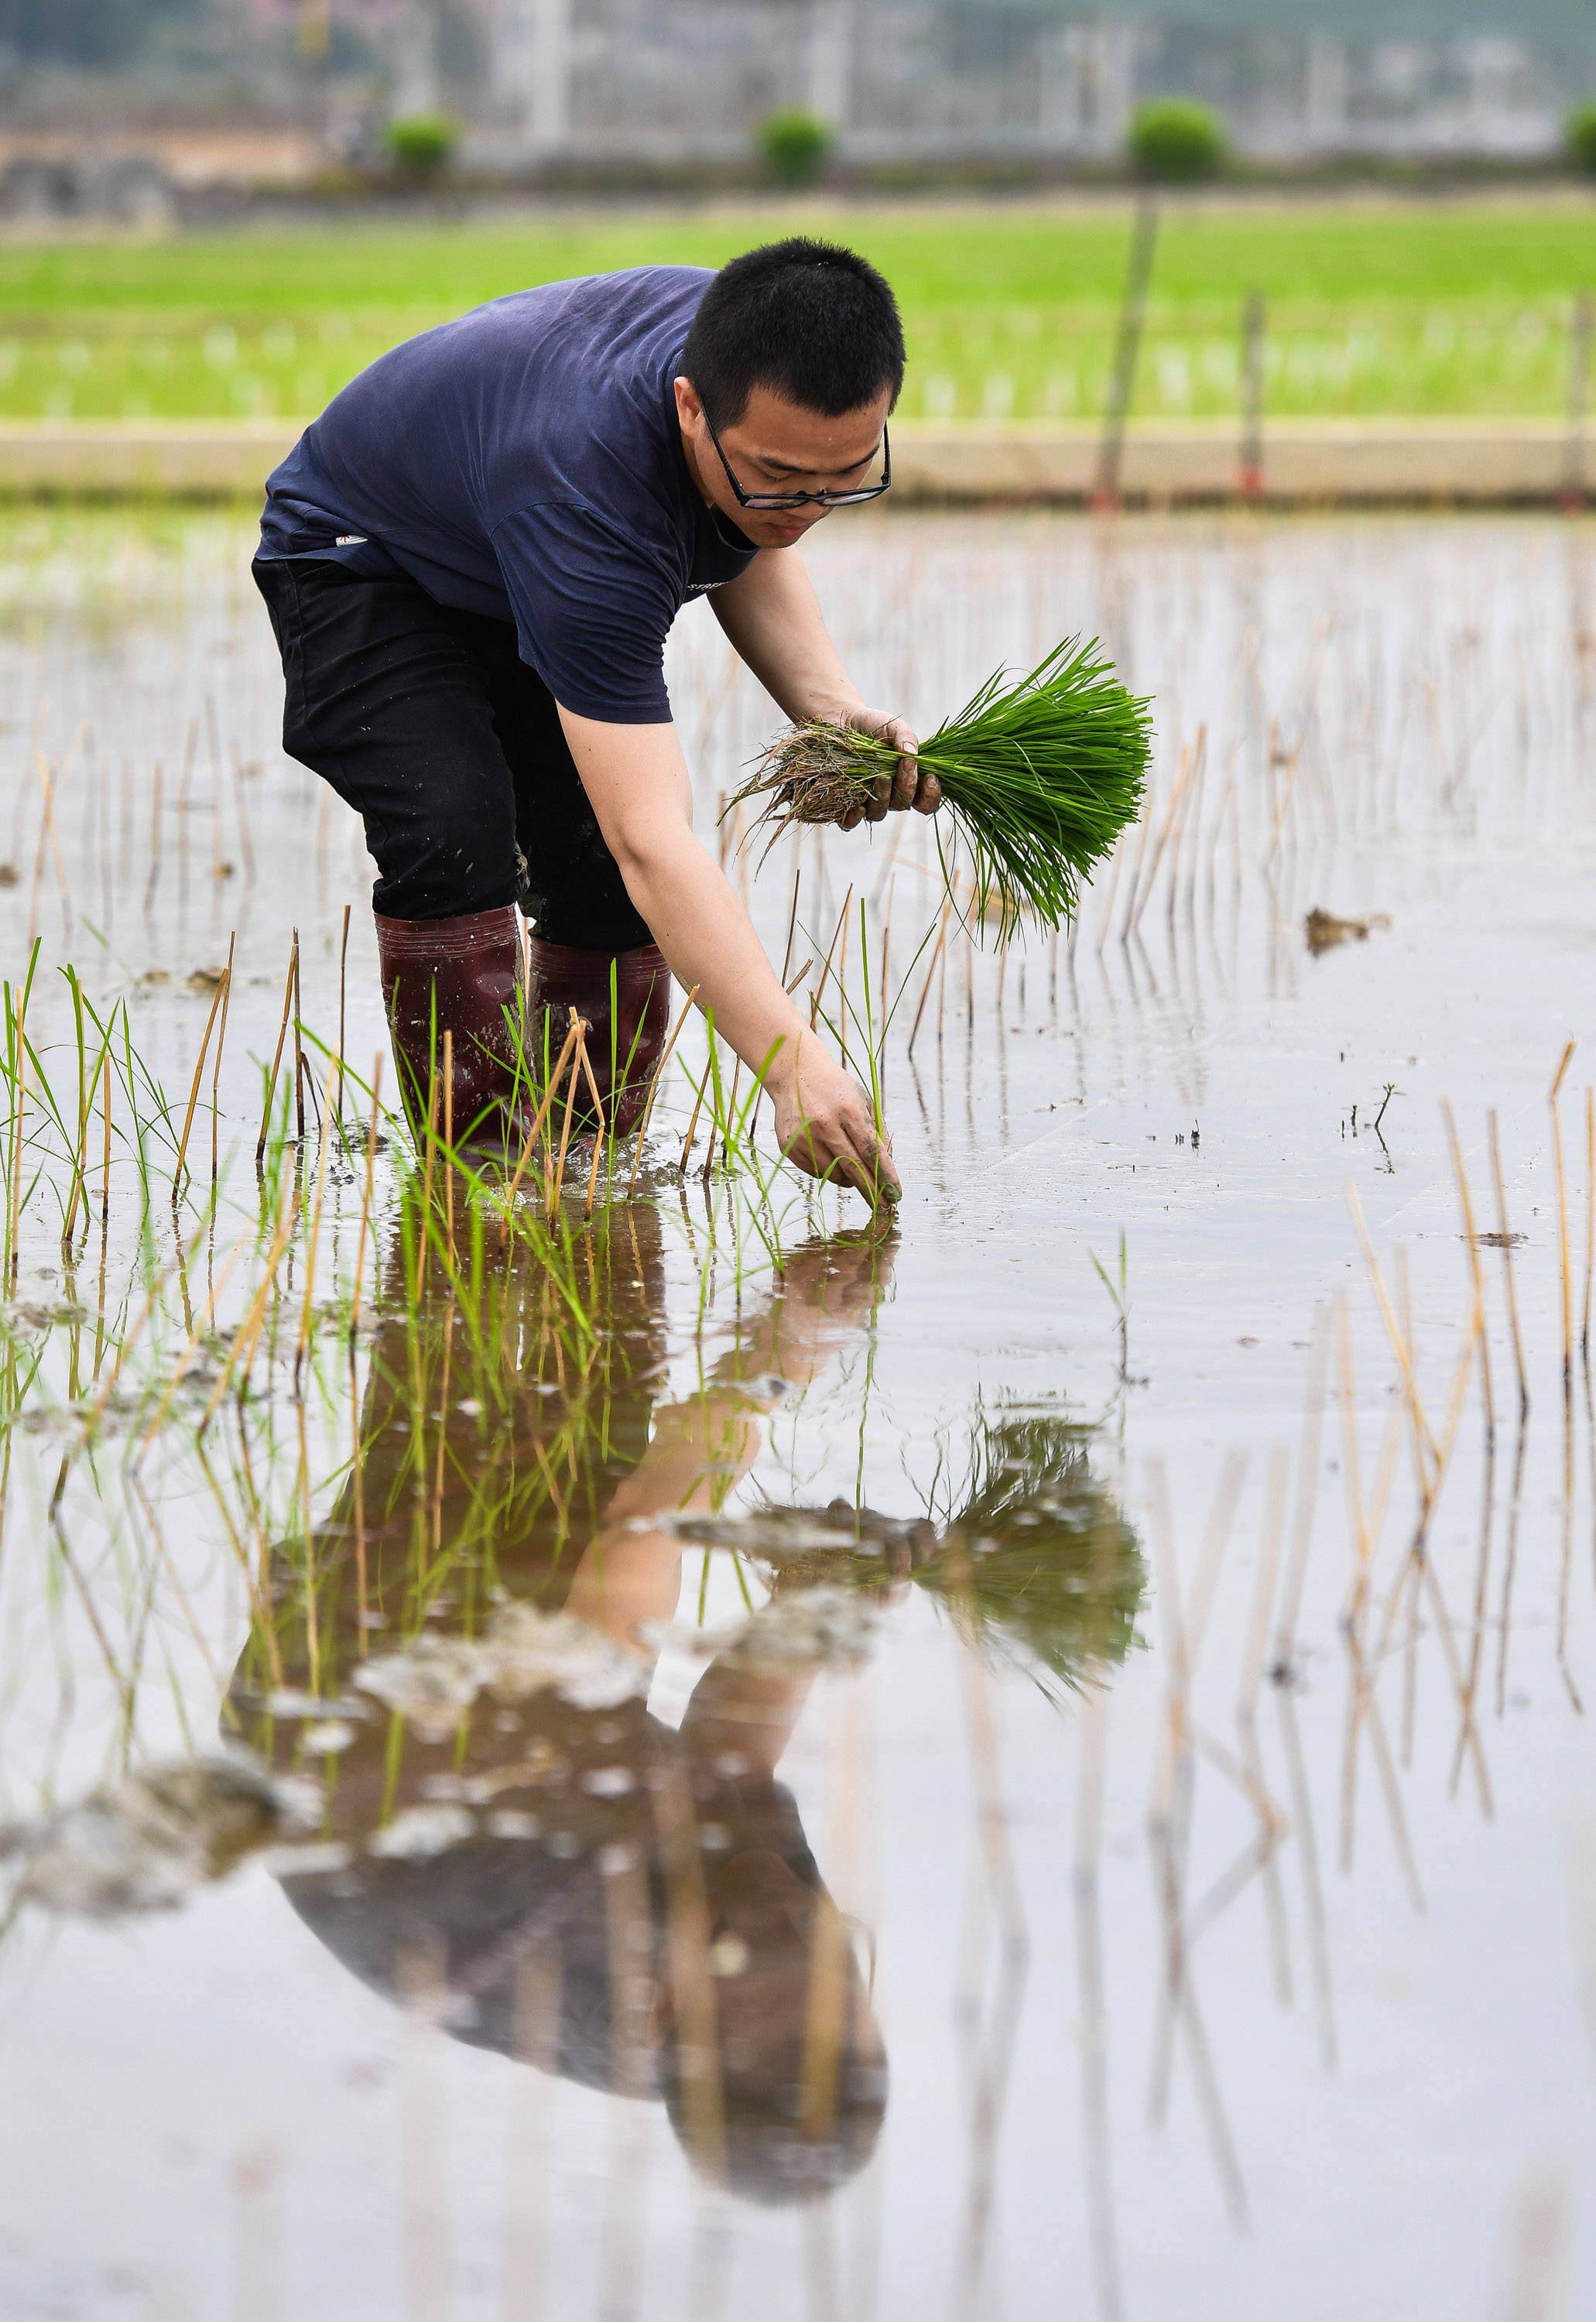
x=667, y=1751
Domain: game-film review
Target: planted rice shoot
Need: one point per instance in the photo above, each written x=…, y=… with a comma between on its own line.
x=1039, y=775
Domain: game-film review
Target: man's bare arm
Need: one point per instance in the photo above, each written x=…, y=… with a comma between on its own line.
x=773, y=616
x=636, y=780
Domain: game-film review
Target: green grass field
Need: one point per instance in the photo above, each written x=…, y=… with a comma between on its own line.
x=1373, y=308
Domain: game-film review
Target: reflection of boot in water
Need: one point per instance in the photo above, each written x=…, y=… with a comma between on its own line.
x=489, y=1455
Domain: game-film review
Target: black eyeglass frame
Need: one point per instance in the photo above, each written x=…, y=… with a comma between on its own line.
x=774, y=501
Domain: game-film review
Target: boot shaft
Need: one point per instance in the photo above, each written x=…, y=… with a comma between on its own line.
x=462, y=976
x=625, y=1000
x=469, y=977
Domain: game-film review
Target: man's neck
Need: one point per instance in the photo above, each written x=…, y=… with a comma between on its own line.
x=694, y=471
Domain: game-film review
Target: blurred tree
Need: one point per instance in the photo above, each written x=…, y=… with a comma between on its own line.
x=86, y=31
x=793, y=143
x=421, y=143
x=1579, y=132
x=1172, y=137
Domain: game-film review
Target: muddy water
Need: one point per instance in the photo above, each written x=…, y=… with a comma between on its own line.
x=1102, y=1818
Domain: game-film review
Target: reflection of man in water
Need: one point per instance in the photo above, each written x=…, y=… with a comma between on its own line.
x=634, y=1907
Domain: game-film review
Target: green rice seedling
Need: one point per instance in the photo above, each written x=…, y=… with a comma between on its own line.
x=687, y=1142
x=653, y=1090
x=719, y=1105
x=16, y=1058
x=422, y=1228
x=733, y=1124
x=88, y=1080
x=80, y=1145
x=369, y=1186
x=1039, y=775
x=275, y=1154
x=873, y=1037
x=156, y=1123
x=1119, y=1292
x=221, y=1038
x=271, y=1072
x=41, y=1128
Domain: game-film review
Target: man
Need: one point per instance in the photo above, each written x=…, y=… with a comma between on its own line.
x=472, y=561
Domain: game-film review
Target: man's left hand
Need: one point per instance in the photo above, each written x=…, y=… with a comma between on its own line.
x=910, y=786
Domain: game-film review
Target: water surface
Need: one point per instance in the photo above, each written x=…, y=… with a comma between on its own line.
x=1058, y=1846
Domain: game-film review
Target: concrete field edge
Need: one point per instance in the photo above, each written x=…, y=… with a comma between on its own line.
x=1488, y=463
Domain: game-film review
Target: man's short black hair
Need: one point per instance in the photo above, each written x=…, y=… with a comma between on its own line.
x=814, y=322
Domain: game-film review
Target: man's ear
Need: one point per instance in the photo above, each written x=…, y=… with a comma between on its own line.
x=689, y=410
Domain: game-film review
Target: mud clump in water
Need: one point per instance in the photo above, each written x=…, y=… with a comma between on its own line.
x=528, y=1652
x=145, y=1843
x=432, y=1682
x=827, y=1627
x=422, y=1831
x=1324, y=930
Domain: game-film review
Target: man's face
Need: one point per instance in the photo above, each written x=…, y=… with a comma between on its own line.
x=777, y=446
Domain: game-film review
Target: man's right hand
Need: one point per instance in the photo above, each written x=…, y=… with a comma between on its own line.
x=636, y=782
x=825, y=1126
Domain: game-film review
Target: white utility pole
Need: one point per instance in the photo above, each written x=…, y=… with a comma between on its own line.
x=831, y=60
x=548, y=119
x=1327, y=91
x=512, y=59
x=416, y=80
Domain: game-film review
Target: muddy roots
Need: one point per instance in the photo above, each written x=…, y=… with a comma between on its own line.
x=817, y=773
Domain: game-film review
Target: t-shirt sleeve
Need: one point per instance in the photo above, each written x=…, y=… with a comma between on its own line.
x=592, y=612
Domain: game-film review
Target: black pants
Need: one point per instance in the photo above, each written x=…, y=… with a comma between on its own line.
x=430, y=724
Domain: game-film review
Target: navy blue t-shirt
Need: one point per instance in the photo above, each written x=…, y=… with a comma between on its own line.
x=526, y=463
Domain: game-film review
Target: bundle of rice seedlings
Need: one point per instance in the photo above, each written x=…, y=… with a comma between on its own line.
x=1039, y=775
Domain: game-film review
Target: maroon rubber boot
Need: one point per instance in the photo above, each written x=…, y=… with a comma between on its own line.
x=625, y=1055
x=470, y=967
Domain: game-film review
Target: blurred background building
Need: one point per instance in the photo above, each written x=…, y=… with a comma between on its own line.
x=179, y=93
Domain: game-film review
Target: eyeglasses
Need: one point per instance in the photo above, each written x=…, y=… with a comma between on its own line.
x=804, y=499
